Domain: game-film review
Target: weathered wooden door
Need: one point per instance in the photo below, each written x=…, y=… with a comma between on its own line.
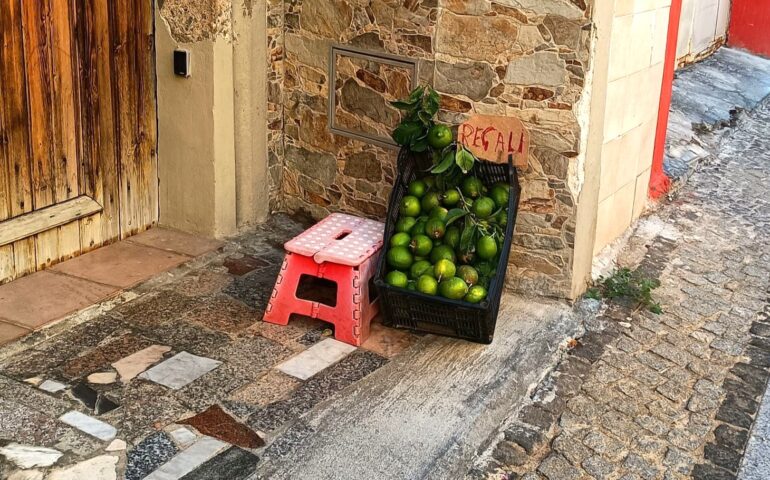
x=77, y=128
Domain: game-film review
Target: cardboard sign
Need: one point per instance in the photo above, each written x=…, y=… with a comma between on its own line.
x=495, y=138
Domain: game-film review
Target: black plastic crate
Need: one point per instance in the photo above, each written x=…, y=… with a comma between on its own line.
x=418, y=312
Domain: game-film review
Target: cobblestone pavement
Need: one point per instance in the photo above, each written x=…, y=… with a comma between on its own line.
x=670, y=396
x=212, y=392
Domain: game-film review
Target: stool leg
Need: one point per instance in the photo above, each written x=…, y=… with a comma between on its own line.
x=347, y=322
x=283, y=299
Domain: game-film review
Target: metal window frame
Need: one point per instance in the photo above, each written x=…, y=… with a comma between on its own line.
x=408, y=64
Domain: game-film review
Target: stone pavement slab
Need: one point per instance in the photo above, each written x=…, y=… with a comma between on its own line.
x=424, y=414
x=84, y=423
x=10, y=332
x=122, y=265
x=175, y=241
x=43, y=297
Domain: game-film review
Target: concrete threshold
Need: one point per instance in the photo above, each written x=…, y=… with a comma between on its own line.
x=428, y=413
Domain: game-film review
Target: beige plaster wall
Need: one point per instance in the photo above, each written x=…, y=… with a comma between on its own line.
x=702, y=28
x=637, y=52
x=212, y=140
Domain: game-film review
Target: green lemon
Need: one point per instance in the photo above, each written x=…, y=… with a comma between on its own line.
x=442, y=252
x=472, y=187
x=440, y=213
x=453, y=288
x=440, y=136
x=444, y=269
x=476, y=294
x=400, y=239
x=421, y=245
x=419, y=227
x=396, y=279
x=417, y=188
x=400, y=258
x=483, y=207
x=486, y=248
x=451, y=198
x=468, y=274
x=500, y=195
x=430, y=201
x=452, y=236
x=502, y=218
x=427, y=285
x=420, y=268
x=430, y=182
x=435, y=228
x=404, y=224
x=410, y=206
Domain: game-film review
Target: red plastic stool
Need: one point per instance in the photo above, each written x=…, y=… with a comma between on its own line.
x=343, y=249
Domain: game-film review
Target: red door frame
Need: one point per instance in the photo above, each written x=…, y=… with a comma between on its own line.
x=659, y=182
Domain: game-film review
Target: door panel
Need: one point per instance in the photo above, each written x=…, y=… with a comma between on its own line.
x=77, y=118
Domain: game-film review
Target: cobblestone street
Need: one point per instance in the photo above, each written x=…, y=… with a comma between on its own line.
x=670, y=396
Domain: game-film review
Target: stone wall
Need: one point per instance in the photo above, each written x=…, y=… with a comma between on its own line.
x=522, y=58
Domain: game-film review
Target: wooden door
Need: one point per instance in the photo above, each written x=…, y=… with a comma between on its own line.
x=77, y=128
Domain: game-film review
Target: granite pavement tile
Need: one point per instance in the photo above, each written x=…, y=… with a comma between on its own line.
x=202, y=283
x=222, y=313
x=99, y=357
x=155, y=310
x=237, y=462
x=315, y=390
x=270, y=388
x=148, y=455
x=255, y=288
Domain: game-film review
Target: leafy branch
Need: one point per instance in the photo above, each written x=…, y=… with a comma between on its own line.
x=419, y=110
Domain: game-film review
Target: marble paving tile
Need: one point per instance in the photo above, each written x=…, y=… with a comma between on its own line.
x=102, y=378
x=136, y=363
x=179, y=370
x=238, y=463
x=148, y=455
x=29, y=456
x=116, y=445
x=26, y=475
x=97, y=468
x=315, y=358
x=189, y=459
x=183, y=437
x=217, y=423
x=52, y=386
x=84, y=423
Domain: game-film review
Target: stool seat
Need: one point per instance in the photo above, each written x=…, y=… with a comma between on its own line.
x=343, y=249
x=339, y=238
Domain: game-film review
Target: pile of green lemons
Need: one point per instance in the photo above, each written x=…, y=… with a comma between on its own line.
x=448, y=242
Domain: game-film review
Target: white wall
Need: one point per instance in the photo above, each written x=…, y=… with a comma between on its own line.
x=704, y=24
x=637, y=53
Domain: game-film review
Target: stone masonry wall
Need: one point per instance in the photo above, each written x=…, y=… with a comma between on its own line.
x=522, y=58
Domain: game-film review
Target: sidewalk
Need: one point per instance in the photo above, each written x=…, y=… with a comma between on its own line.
x=669, y=396
x=708, y=97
